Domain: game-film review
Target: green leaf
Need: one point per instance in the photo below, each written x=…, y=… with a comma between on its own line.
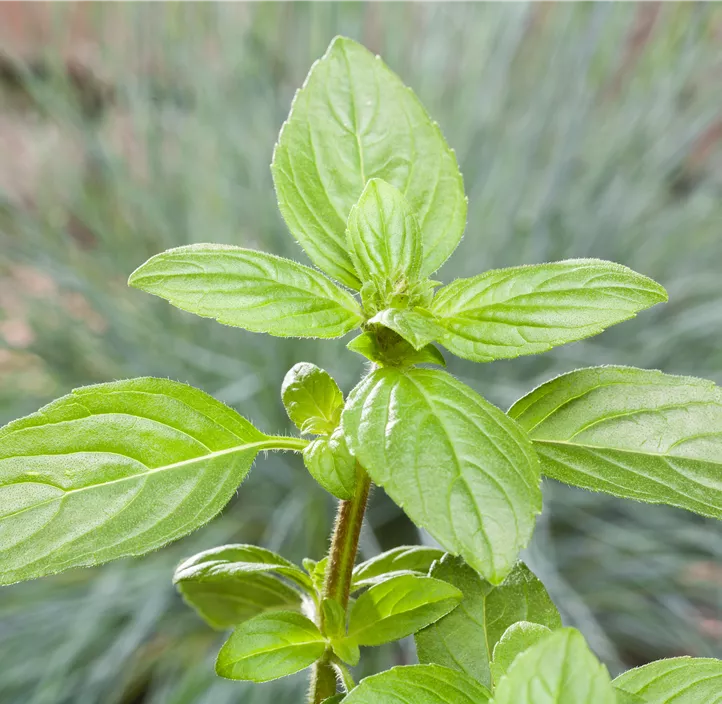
x=317, y=572
x=270, y=646
x=251, y=290
x=506, y=313
x=403, y=559
x=227, y=585
x=393, y=350
x=115, y=470
x=383, y=235
x=627, y=698
x=457, y=465
x=418, y=684
x=331, y=464
x=559, y=669
x=414, y=325
x=682, y=680
x=335, y=699
x=354, y=120
x=632, y=433
x=224, y=604
x=465, y=638
x=334, y=618
x=516, y=639
x=312, y=399
x=398, y=607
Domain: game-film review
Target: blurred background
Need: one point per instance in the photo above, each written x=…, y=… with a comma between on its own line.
x=581, y=130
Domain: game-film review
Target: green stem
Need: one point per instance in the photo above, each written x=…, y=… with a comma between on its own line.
x=337, y=582
x=281, y=442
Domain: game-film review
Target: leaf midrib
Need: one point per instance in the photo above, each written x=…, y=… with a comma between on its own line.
x=271, y=443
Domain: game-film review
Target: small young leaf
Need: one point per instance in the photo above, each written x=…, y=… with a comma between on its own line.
x=395, y=351
x=383, y=235
x=270, y=646
x=248, y=289
x=237, y=560
x=399, y=607
x=516, y=639
x=456, y=464
x=115, y=470
x=632, y=433
x=227, y=603
x=419, y=684
x=465, y=638
x=331, y=464
x=558, y=669
x=506, y=313
x=312, y=398
x=354, y=120
x=227, y=585
x=334, y=618
x=415, y=325
x=317, y=572
x=682, y=680
x=403, y=559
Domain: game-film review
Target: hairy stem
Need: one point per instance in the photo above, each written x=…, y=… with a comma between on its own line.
x=337, y=582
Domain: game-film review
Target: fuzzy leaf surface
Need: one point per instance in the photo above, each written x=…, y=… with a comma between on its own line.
x=354, y=120
x=558, y=669
x=248, y=289
x=394, y=351
x=506, y=313
x=270, y=646
x=115, y=470
x=383, y=235
x=465, y=638
x=420, y=684
x=403, y=559
x=331, y=464
x=312, y=398
x=414, y=325
x=632, y=433
x=230, y=584
x=682, y=680
x=457, y=465
x=398, y=607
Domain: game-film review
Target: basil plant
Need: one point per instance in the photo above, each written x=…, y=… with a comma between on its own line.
x=372, y=192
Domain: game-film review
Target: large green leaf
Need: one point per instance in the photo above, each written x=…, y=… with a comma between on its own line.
x=312, y=398
x=457, y=465
x=117, y=469
x=516, y=639
x=465, y=638
x=398, y=607
x=403, y=559
x=383, y=236
x=558, y=669
x=354, y=120
x=530, y=309
x=248, y=289
x=418, y=684
x=232, y=583
x=270, y=646
x=633, y=433
x=682, y=680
